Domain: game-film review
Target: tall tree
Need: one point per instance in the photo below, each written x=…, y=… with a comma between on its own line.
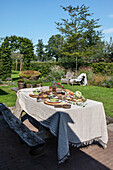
x=17, y=57
x=79, y=32
x=40, y=50
x=109, y=50
x=54, y=46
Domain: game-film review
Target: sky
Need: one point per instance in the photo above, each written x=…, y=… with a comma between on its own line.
x=35, y=19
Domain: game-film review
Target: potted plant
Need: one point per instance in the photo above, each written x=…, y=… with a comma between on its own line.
x=21, y=84
x=29, y=83
x=39, y=82
x=29, y=75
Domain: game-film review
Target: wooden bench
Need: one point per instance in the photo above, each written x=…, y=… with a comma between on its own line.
x=29, y=137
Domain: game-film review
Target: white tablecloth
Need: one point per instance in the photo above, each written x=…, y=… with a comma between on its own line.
x=77, y=126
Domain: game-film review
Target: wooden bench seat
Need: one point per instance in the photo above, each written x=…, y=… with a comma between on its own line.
x=29, y=137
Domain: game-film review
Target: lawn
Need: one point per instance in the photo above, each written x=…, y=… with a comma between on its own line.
x=101, y=94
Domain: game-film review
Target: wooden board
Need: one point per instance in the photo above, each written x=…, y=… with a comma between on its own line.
x=40, y=96
x=58, y=104
x=53, y=103
x=32, y=95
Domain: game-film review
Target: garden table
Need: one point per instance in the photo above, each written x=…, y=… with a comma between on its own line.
x=77, y=126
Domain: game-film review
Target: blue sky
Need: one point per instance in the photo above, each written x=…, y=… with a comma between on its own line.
x=35, y=19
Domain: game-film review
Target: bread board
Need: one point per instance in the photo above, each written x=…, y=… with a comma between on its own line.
x=40, y=96
x=33, y=95
x=52, y=103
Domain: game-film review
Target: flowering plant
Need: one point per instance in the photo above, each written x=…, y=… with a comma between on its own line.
x=60, y=86
x=54, y=84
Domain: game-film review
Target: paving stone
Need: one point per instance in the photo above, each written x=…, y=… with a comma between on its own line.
x=110, y=127
x=14, y=155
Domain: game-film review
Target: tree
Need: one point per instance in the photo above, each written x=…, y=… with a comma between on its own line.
x=40, y=50
x=54, y=46
x=9, y=45
x=79, y=32
x=109, y=51
x=17, y=57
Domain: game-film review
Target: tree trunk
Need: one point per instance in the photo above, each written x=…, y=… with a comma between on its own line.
x=16, y=64
x=20, y=64
x=76, y=65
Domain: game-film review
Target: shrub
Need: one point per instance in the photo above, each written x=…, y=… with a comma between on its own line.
x=49, y=78
x=29, y=73
x=1, y=82
x=43, y=67
x=88, y=71
x=104, y=68
x=97, y=80
x=57, y=72
x=108, y=82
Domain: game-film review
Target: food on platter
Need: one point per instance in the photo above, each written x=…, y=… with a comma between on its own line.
x=45, y=95
x=36, y=92
x=53, y=98
x=71, y=93
x=78, y=94
x=32, y=95
x=67, y=106
x=79, y=99
x=48, y=102
x=68, y=91
x=59, y=89
x=68, y=98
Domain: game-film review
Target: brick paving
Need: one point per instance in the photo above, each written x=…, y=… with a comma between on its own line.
x=14, y=154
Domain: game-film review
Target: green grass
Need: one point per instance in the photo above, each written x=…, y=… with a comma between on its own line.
x=101, y=94
x=15, y=75
x=7, y=96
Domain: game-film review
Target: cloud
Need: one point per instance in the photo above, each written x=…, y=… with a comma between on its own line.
x=109, y=30
x=110, y=16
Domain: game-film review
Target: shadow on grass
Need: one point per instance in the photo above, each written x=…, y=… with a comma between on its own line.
x=15, y=79
x=2, y=92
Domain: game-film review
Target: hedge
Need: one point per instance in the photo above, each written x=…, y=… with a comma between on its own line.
x=43, y=67
x=104, y=68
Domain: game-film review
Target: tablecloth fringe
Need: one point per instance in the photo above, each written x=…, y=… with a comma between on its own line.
x=82, y=144
x=85, y=143
x=64, y=158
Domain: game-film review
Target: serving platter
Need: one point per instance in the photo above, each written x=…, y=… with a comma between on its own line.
x=52, y=103
x=33, y=95
x=40, y=96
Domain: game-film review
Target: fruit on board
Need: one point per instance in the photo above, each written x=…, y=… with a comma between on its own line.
x=78, y=94
x=36, y=92
x=53, y=99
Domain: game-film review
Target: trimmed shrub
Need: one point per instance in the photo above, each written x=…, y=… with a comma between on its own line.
x=43, y=67
x=104, y=68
